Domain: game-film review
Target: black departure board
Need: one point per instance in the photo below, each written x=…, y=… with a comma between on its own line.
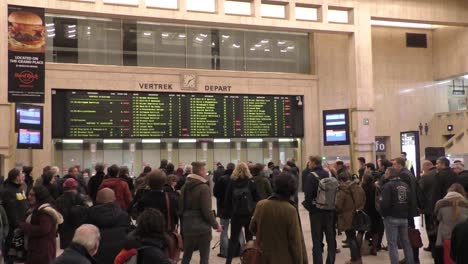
x=103, y=114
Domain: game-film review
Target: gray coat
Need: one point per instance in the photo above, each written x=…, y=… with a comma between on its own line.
x=444, y=211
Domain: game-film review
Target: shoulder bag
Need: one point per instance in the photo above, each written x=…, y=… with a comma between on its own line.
x=173, y=238
x=361, y=221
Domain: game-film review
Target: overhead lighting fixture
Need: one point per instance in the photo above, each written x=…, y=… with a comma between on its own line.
x=281, y=42
x=221, y=140
x=182, y=36
x=71, y=36
x=51, y=35
x=254, y=140
x=187, y=140
x=49, y=24
x=385, y=23
x=285, y=139
x=204, y=35
x=290, y=47
x=198, y=39
x=72, y=31
x=252, y=49
x=110, y=141
x=213, y=44
x=283, y=50
x=267, y=50
x=51, y=30
x=71, y=26
x=147, y=33
x=151, y=140
x=72, y=141
x=225, y=36
x=258, y=45
x=465, y=77
x=264, y=41
x=89, y=28
x=236, y=46
x=164, y=35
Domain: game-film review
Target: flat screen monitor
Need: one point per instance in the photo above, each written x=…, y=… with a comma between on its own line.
x=28, y=115
x=29, y=138
x=336, y=127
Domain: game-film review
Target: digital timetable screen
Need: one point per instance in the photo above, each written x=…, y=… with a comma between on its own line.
x=102, y=114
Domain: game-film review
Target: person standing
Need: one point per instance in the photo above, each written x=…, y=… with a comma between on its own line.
x=362, y=167
x=277, y=225
x=262, y=184
x=124, y=174
x=395, y=207
x=349, y=199
x=119, y=186
x=197, y=215
x=425, y=185
x=40, y=227
x=241, y=197
x=28, y=178
x=321, y=220
x=73, y=172
x=84, y=246
x=462, y=174
x=96, y=180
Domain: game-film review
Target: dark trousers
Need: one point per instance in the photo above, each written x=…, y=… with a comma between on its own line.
x=202, y=242
x=438, y=254
x=237, y=223
x=431, y=233
x=415, y=250
x=353, y=245
x=322, y=222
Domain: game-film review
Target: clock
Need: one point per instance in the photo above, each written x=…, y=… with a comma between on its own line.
x=189, y=81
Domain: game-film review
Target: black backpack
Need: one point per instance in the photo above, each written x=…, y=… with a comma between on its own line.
x=242, y=200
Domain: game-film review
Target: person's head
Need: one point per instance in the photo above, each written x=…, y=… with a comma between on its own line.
x=73, y=171
x=255, y=169
x=188, y=169
x=38, y=195
x=339, y=164
x=100, y=167
x=458, y=168
x=241, y=172
x=399, y=163
x=88, y=236
x=199, y=168
x=285, y=185
x=362, y=162
x=150, y=224
x=271, y=165
x=123, y=172
x=457, y=161
x=344, y=176
x=230, y=166
x=403, y=155
x=45, y=169
x=15, y=176
x=113, y=171
x=170, y=168
x=287, y=168
x=48, y=178
x=156, y=179
x=105, y=195
x=427, y=165
x=55, y=170
x=442, y=163
x=146, y=169
x=456, y=187
x=314, y=161
x=391, y=173
x=219, y=165
x=70, y=185
x=172, y=180
x=291, y=163
x=370, y=167
x=163, y=164
x=27, y=170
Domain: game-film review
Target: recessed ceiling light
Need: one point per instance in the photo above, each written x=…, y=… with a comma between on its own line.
x=225, y=36
x=264, y=41
x=267, y=49
x=204, y=35
x=147, y=33
x=198, y=39
x=290, y=47
x=281, y=42
x=252, y=49
x=258, y=45
x=236, y=46
x=165, y=35
x=283, y=50
x=181, y=35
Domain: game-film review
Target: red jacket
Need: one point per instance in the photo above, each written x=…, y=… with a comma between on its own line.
x=120, y=187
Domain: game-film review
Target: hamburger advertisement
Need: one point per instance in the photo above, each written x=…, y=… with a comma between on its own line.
x=26, y=48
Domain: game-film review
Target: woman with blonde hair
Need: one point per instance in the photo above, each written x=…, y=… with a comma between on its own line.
x=241, y=197
x=449, y=211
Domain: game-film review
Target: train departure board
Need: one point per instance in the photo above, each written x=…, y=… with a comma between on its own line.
x=103, y=114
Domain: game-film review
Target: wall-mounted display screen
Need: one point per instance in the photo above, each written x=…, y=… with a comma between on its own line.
x=29, y=125
x=336, y=127
x=409, y=141
x=102, y=114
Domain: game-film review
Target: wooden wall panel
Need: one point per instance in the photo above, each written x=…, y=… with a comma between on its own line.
x=450, y=53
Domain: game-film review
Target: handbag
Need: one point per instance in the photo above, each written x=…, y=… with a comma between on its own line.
x=193, y=222
x=414, y=237
x=173, y=238
x=251, y=253
x=361, y=221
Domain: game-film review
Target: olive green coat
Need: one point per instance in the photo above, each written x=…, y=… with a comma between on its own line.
x=344, y=203
x=278, y=229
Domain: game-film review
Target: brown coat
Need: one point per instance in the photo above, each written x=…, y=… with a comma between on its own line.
x=277, y=225
x=344, y=203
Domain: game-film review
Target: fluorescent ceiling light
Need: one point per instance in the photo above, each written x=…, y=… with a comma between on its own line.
x=150, y=140
x=264, y=41
x=267, y=49
x=147, y=33
x=49, y=24
x=283, y=50
x=198, y=39
x=164, y=35
x=258, y=45
x=72, y=141
x=221, y=140
x=204, y=35
x=403, y=24
x=252, y=49
x=225, y=36
x=71, y=26
x=113, y=140
x=281, y=42
x=285, y=139
x=236, y=46
x=252, y=140
x=290, y=47
x=181, y=35
x=187, y=140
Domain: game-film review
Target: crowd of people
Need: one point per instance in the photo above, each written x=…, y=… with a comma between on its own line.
x=112, y=217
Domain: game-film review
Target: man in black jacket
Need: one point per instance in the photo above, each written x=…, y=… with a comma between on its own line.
x=321, y=221
x=425, y=185
x=73, y=172
x=96, y=180
x=458, y=251
x=462, y=174
x=84, y=246
x=444, y=178
x=395, y=207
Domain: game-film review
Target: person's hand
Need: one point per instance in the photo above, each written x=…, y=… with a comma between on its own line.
x=220, y=229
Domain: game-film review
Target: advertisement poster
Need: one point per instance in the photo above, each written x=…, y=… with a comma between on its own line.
x=26, y=48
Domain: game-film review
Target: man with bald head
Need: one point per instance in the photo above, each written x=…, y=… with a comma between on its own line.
x=84, y=246
x=113, y=223
x=425, y=199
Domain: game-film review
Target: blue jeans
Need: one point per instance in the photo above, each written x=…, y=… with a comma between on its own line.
x=224, y=240
x=323, y=222
x=397, y=228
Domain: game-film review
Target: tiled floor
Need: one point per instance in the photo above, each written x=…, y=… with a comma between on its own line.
x=382, y=256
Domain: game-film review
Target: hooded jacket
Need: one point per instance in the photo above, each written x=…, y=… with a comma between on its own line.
x=395, y=199
x=40, y=233
x=15, y=203
x=65, y=203
x=196, y=195
x=157, y=199
x=219, y=191
x=345, y=207
x=262, y=185
x=120, y=187
x=444, y=215
x=113, y=223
